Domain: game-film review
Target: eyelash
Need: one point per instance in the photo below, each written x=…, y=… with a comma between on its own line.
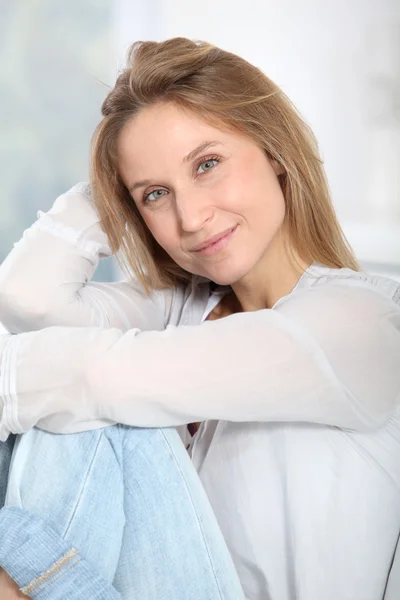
x=200, y=162
x=207, y=159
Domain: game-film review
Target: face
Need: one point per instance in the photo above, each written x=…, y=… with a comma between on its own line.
x=211, y=198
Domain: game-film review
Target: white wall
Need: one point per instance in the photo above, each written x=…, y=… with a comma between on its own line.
x=339, y=61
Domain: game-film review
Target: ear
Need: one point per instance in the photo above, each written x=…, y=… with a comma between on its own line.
x=277, y=167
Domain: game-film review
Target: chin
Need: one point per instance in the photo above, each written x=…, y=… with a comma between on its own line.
x=228, y=276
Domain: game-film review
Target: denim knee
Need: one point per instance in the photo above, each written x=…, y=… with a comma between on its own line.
x=75, y=483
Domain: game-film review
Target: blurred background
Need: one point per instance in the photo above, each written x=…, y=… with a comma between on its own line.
x=338, y=60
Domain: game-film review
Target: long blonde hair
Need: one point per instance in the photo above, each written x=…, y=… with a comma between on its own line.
x=230, y=93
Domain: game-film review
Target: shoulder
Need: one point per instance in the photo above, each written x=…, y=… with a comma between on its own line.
x=351, y=322
x=342, y=301
x=346, y=279
x=326, y=286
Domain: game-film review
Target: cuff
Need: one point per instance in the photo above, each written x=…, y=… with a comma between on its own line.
x=74, y=218
x=9, y=422
x=43, y=564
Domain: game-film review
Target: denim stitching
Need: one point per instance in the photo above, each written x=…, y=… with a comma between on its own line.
x=58, y=576
x=83, y=486
x=112, y=443
x=55, y=568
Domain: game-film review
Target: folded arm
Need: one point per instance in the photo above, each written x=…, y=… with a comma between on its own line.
x=329, y=355
x=46, y=278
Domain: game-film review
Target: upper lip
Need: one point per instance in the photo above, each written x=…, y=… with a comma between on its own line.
x=212, y=239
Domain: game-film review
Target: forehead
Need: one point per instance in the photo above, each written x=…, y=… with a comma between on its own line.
x=164, y=133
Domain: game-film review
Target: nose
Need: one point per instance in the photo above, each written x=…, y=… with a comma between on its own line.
x=194, y=209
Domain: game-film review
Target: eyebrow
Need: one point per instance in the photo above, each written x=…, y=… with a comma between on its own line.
x=188, y=158
x=139, y=184
x=194, y=153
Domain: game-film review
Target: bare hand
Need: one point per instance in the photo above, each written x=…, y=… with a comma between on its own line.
x=9, y=590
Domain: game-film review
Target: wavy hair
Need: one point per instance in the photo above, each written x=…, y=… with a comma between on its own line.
x=228, y=92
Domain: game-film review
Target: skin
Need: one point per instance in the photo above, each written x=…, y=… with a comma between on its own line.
x=231, y=183
x=9, y=590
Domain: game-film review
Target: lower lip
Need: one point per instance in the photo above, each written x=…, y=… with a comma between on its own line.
x=218, y=245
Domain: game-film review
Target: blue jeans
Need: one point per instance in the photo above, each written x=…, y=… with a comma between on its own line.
x=115, y=513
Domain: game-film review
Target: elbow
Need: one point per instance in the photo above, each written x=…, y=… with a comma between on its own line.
x=19, y=313
x=369, y=426
x=371, y=421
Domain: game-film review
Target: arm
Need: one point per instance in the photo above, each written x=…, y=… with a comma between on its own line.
x=45, y=280
x=330, y=355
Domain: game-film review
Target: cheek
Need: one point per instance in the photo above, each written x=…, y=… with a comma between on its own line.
x=265, y=204
x=272, y=210
x=258, y=198
x=268, y=189
x=163, y=230
x=250, y=184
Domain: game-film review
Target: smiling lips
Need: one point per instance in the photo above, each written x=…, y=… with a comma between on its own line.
x=216, y=242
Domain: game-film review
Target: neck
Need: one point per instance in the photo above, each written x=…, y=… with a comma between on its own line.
x=272, y=278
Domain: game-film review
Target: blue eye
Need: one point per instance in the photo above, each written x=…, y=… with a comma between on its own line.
x=207, y=165
x=154, y=195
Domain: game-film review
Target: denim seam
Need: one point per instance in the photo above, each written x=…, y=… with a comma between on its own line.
x=196, y=513
x=55, y=568
x=119, y=459
x=83, y=486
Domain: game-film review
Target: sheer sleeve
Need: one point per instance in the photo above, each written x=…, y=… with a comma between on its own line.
x=329, y=355
x=46, y=279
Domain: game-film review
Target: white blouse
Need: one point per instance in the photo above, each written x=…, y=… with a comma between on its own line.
x=300, y=446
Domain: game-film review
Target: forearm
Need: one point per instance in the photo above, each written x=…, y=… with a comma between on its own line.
x=46, y=279
x=258, y=366
x=42, y=277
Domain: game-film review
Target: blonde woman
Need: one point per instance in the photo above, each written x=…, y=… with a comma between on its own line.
x=244, y=310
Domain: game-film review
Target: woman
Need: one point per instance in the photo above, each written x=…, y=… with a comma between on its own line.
x=210, y=189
